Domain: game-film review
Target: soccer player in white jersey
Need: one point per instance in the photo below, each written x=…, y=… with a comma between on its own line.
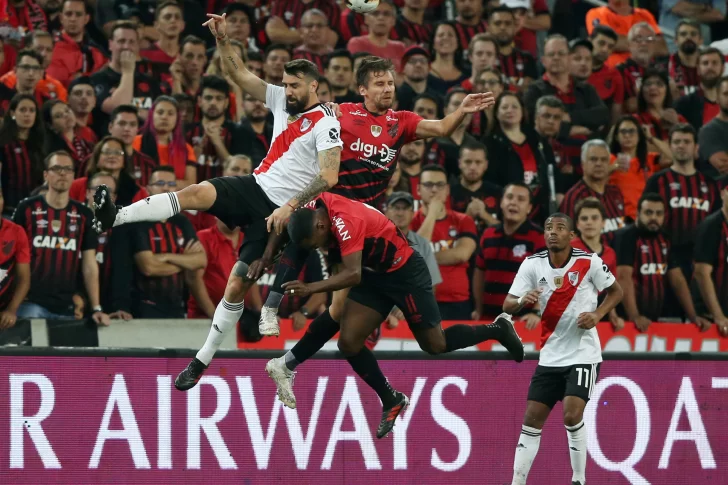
x=302, y=162
x=566, y=282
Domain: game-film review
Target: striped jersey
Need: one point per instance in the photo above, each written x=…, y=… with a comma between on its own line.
x=566, y=292
x=292, y=160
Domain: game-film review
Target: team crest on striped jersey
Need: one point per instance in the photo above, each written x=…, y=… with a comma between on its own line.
x=519, y=250
x=306, y=124
x=56, y=225
x=573, y=277
x=558, y=281
x=376, y=130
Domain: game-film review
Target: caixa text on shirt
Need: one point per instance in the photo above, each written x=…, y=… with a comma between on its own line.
x=55, y=242
x=142, y=102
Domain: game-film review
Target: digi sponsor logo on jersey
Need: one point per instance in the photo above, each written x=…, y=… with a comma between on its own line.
x=690, y=203
x=653, y=269
x=341, y=227
x=54, y=242
x=386, y=154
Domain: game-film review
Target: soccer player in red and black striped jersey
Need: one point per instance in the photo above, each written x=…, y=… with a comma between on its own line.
x=163, y=251
x=689, y=195
x=595, y=163
x=21, y=160
x=519, y=67
x=502, y=249
x=710, y=282
x=589, y=221
x=14, y=270
x=382, y=270
x=646, y=263
x=124, y=125
x=606, y=79
x=58, y=229
x=214, y=138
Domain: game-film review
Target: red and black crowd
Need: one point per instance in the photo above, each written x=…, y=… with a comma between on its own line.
x=600, y=121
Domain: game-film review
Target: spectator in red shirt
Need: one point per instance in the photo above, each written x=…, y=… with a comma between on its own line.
x=589, y=218
x=377, y=42
x=701, y=106
x=532, y=16
x=606, y=80
x=14, y=269
x=189, y=67
x=168, y=22
x=73, y=54
x=454, y=239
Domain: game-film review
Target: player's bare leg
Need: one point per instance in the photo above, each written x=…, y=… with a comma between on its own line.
x=357, y=323
x=227, y=314
x=154, y=208
x=436, y=340
x=536, y=415
x=321, y=330
x=576, y=433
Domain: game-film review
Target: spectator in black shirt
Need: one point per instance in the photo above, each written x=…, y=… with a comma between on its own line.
x=701, y=105
x=62, y=133
x=323, y=91
x=415, y=68
x=447, y=149
x=82, y=101
x=21, y=150
x=712, y=138
x=644, y=261
x=58, y=230
x=340, y=73
x=162, y=251
x=710, y=284
x=473, y=195
x=215, y=137
x=257, y=132
x=118, y=83
x=124, y=125
x=188, y=68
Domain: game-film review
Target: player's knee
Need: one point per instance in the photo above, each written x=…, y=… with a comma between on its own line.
x=348, y=346
x=336, y=309
x=197, y=196
x=236, y=287
x=433, y=347
x=533, y=420
x=572, y=417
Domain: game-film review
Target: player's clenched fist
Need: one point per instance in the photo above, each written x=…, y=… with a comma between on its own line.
x=587, y=320
x=530, y=298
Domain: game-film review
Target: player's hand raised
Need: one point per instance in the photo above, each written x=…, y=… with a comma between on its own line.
x=477, y=102
x=530, y=298
x=587, y=320
x=297, y=288
x=217, y=25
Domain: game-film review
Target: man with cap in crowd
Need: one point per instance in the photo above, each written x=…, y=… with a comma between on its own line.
x=415, y=70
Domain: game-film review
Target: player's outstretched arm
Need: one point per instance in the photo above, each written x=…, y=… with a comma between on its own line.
x=444, y=127
x=349, y=275
x=233, y=65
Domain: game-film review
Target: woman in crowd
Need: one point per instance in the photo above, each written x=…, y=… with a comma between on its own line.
x=162, y=139
x=516, y=153
x=62, y=133
x=491, y=80
x=631, y=162
x=21, y=150
x=655, y=112
x=110, y=156
x=445, y=70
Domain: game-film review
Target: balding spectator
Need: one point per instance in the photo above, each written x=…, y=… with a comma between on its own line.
x=621, y=17
x=378, y=42
x=314, y=48
x=74, y=54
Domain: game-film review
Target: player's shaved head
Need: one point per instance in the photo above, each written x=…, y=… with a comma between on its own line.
x=309, y=228
x=560, y=215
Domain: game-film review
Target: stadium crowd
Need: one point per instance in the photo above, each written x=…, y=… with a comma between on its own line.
x=606, y=120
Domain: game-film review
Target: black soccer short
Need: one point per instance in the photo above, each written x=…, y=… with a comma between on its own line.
x=241, y=202
x=409, y=288
x=550, y=385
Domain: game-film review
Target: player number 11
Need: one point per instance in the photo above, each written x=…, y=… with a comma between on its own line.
x=581, y=372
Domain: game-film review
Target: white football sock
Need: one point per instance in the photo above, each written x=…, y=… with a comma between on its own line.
x=577, y=451
x=225, y=318
x=158, y=207
x=526, y=451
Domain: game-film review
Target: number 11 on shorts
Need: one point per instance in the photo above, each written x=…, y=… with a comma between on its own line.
x=582, y=372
